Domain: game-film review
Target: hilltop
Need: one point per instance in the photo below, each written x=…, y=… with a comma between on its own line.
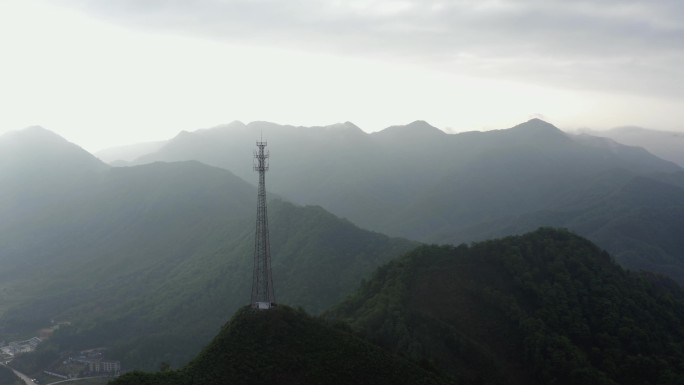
x=541, y=308
x=287, y=346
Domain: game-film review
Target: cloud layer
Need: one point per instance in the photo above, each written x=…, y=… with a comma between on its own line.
x=620, y=46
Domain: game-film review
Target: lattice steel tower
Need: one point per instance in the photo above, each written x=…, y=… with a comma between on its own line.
x=263, y=296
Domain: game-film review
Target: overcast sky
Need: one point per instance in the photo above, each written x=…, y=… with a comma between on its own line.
x=104, y=72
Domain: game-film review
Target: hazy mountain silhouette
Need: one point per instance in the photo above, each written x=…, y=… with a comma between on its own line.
x=546, y=307
x=151, y=260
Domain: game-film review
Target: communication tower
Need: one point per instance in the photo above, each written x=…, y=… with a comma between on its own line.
x=263, y=296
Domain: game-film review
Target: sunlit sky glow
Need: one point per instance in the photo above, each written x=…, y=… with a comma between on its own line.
x=104, y=73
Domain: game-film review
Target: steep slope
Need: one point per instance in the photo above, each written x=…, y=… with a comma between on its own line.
x=318, y=259
x=100, y=256
x=38, y=172
x=149, y=204
x=665, y=144
x=35, y=162
x=286, y=346
x=545, y=307
x=150, y=260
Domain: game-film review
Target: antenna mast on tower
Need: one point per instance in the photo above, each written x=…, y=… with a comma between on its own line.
x=263, y=296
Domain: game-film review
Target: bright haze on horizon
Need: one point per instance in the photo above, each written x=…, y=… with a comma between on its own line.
x=105, y=73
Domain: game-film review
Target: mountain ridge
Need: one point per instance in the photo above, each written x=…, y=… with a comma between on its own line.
x=439, y=187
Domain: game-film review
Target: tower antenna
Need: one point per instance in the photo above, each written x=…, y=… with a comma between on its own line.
x=263, y=296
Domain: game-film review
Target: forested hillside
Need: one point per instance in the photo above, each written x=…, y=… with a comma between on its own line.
x=542, y=308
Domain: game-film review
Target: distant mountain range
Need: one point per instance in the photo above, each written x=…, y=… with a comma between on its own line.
x=664, y=144
x=418, y=182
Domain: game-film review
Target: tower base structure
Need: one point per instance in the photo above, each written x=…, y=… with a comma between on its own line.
x=263, y=305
